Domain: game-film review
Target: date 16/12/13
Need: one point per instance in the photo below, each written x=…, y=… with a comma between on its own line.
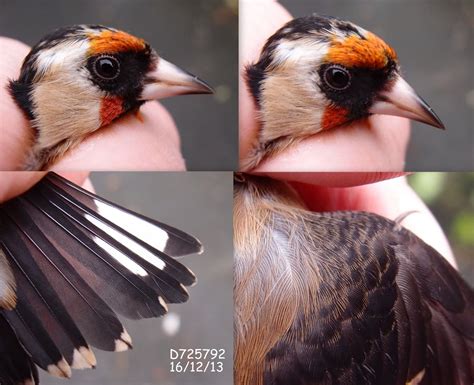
x=198, y=360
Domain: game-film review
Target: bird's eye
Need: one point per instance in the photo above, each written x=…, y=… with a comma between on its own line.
x=107, y=67
x=337, y=77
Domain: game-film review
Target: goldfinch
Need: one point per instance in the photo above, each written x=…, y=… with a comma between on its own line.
x=342, y=298
x=83, y=77
x=317, y=73
x=70, y=263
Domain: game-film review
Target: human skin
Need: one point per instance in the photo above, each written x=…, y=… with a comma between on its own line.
x=147, y=141
x=378, y=143
x=13, y=183
x=386, y=194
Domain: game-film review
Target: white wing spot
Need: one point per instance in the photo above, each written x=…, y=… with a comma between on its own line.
x=127, y=242
x=143, y=230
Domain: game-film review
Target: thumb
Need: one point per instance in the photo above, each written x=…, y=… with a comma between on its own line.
x=13, y=183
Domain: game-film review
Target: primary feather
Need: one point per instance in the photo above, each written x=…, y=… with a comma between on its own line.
x=68, y=265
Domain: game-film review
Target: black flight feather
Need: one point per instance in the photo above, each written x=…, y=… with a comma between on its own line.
x=16, y=367
x=178, y=243
x=74, y=260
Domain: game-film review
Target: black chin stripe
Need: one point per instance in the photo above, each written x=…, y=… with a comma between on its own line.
x=21, y=93
x=255, y=74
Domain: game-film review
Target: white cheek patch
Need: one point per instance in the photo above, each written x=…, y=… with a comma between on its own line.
x=141, y=229
x=64, y=98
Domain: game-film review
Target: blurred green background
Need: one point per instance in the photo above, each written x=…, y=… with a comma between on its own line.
x=450, y=196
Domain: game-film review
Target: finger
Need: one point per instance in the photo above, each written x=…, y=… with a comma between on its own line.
x=259, y=20
x=147, y=141
x=15, y=138
x=13, y=183
x=334, y=179
x=375, y=144
x=389, y=198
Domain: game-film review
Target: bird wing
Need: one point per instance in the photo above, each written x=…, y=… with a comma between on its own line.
x=73, y=261
x=167, y=239
x=369, y=303
x=440, y=309
x=16, y=367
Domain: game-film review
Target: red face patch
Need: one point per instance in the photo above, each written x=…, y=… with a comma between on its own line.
x=333, y=117
x=114, y=41
x=110, y=109
x=353, y=51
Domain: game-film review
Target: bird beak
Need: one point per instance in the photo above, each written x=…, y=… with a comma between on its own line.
x=169, y=80
x=401, y=100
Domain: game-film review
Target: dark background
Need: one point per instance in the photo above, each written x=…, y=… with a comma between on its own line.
x=434, y=40
x=198, y=35
x=199, y=203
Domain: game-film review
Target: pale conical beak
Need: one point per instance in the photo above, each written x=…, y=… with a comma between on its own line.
x=401, y=100
x=170, y=80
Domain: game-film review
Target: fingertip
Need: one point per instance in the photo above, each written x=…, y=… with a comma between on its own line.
x=12, y=52
x=336, y=179
x=377, y=144
x=259, y=20
x=16, y=132
x=148, y=140
x=389, y=198
x=13, y=183
x=78, y=177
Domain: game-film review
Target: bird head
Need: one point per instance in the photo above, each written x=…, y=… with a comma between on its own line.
x=80, y=78
x=317, y=73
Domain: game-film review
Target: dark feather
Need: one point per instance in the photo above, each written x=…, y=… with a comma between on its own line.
x=178, y=243
x=21, y=93
x=342, y=298
x=16, y=367
x=73, y=266
x=84, y=227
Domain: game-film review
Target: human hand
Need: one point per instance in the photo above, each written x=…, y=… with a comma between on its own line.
x=149, y=141
x=13, y=183
x=378, y=143
x=386, y=194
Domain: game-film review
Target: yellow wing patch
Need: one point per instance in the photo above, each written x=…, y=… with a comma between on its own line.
x=114, y=42
x=417, y=379
x=353, y=51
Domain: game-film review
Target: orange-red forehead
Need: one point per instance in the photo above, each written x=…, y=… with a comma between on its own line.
x=115, y=41
x=353, y=51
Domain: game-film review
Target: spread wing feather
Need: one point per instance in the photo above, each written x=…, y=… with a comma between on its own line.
x=69, y=261
x=16, y=367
